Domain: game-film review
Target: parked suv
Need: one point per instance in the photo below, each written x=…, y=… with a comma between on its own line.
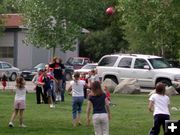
x=147, y=69
x=9, y=70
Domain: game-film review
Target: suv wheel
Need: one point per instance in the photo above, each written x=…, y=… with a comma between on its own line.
x=13, y=77
x=166, y=82
x=114, y=79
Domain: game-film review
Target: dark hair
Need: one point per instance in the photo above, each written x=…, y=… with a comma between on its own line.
x=55, y=58
x=96, y=88
x=20, y=83
x=76, y=75
x=160, y=88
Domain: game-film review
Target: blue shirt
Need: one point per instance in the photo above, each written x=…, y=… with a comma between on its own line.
x=98, y=103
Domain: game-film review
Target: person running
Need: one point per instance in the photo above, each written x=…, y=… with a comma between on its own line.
x=58, y=75
x=159, y=104
x=19, y=102
x=101, y=110
x=77, y=89
x=4, y=81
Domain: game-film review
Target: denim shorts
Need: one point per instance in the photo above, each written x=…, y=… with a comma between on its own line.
x=77, y=103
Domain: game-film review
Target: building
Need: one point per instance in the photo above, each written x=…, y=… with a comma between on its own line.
x=15, y=51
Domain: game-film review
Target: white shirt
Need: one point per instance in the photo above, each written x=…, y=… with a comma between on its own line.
x=78, y=88
x=20, y=94
x=161, y=103
x=94, y=78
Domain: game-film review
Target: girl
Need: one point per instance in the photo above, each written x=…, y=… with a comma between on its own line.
x=101, y=110
x=19, y=102
x=77, y=88
x=58, y=75
x=159, y=103
x=4, y=81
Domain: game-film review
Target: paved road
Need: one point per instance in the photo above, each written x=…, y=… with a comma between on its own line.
x=30, y=86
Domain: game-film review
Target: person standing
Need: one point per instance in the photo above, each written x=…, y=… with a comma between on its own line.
x=101, y=110
x=58, y=75
x=77, y=89
x=19, y=102
x=38, y=88
x=159, y=104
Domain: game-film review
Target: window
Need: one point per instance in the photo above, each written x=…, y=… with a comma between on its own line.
x=108, y=61
x=140, y=63
x=159, y=63
x=6, y=65
x=125, y=62
x=6, y=52
x=0, y=66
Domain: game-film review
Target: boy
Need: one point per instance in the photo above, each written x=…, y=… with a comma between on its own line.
x=159, y=104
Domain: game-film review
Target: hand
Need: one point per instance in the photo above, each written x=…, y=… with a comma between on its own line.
x=109, y=116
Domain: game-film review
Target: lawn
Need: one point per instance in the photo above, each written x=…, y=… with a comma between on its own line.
x=129, y=117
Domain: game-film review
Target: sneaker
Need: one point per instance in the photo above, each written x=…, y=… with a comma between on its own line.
x=11, y=124
x=51, y=105
x=22, y=126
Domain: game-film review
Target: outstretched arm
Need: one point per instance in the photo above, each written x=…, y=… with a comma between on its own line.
x=151, y=106
x=88, y=111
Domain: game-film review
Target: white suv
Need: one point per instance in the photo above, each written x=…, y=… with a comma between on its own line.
x=147, y=69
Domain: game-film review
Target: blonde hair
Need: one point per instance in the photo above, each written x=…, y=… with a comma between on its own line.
x=20, y=82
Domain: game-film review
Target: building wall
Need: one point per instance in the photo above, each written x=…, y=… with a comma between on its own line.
x=7, y=40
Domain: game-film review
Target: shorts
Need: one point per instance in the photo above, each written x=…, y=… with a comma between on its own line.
x=4, y=83
x=50, y=93
x=19, y=104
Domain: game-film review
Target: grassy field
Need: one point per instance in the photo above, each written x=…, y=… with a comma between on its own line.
x=129, y=117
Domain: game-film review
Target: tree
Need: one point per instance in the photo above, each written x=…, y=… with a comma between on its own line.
x=151, y=26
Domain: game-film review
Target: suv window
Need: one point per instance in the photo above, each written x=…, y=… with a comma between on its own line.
x=0, y=66
x=125, y=62
x=5, y=65
x=140, y=63
x=108, y=61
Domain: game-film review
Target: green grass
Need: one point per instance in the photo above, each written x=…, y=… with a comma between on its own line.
x=129, y=117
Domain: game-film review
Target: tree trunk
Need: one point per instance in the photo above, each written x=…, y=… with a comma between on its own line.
x=54, y=51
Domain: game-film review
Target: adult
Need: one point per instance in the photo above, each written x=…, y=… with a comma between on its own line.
x=101, y=111
x=58, y=75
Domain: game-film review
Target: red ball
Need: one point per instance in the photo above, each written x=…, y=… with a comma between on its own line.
x=110, y=11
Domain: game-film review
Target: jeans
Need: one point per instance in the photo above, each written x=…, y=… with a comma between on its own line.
x=159, y=119
x=101, y=124
x=77, y=103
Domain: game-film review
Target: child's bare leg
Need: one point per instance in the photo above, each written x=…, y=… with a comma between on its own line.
x=13, y=117
x=21, y=116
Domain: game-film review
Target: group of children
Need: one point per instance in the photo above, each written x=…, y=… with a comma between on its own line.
x=80, y=88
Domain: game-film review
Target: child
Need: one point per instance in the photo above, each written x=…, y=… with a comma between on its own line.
x=4, y=81
x=38, y=88
x=101, y=110
x=159, y=104
x=93, y=77
x=19, y=102
x=77, y=88
x=46, y=80
x=108, y=95
x=83, y=77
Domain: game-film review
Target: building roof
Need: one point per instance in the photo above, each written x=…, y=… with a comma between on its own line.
x=13, y=20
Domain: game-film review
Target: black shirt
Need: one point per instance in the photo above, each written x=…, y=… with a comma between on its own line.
x=98, y=103
x=58, y=69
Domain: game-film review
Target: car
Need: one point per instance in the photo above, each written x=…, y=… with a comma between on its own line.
x=78, y=62
x=11, y=71
x=147, y=69
x=28, y=74
x=87, y=68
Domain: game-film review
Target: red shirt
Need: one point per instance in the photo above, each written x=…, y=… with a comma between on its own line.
x=108, y=95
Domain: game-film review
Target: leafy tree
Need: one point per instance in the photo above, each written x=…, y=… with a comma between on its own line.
x=151, y=26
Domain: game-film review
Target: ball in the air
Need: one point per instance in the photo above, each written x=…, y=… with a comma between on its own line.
x=110, y=11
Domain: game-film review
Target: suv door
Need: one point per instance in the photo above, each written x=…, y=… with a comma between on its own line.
x=7, y=68
x=143, y=73
x=1, y=70
x=124, y=68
